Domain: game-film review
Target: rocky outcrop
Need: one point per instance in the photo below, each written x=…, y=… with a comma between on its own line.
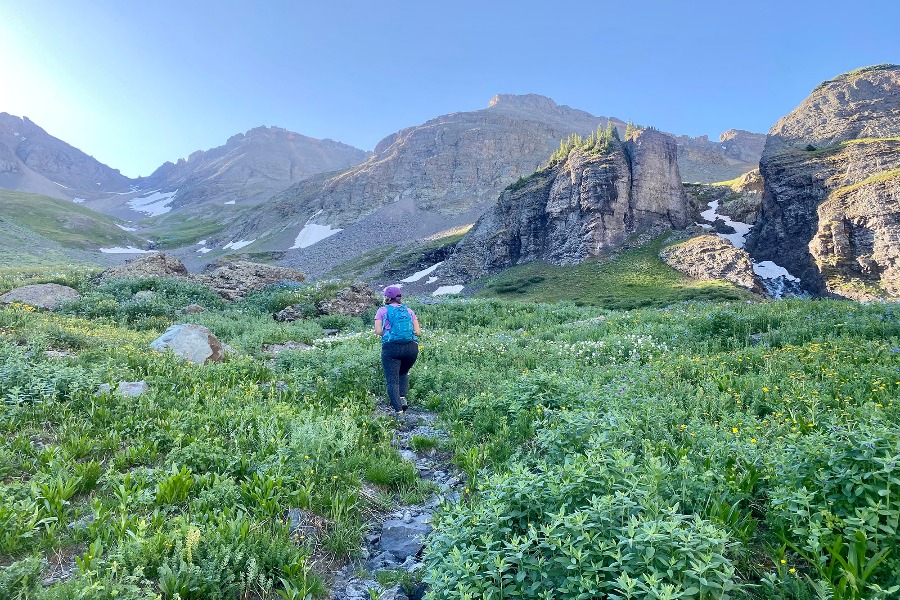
x=709, y=258
x=154, y=264
x=231, y=280
x=351, y=301
x=831, y=171
x=236, y=279
x=193, y=343
x=44, y=295
x=589, y=203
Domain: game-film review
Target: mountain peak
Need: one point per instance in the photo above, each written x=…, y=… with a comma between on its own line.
x=523, y=101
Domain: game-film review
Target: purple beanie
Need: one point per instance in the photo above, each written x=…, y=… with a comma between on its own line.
x=391, y=291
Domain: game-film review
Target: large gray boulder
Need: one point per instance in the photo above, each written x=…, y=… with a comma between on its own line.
x=44, y=295
x=155, y=264
x=405, y=537
x=710, y=258
x=193, y=343
x=129, y=389
x=351, y=301
x=236, y=279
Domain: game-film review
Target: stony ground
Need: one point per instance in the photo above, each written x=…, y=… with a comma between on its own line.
x=394, y=540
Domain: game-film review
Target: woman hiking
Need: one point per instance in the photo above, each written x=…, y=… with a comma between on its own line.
x=398, y=327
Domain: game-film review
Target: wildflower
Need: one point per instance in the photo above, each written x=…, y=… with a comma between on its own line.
x=792, y=570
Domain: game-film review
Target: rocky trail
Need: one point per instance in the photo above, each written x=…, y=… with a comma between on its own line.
x=394, y=540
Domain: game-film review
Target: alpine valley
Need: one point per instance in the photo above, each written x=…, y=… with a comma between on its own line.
x=812, y=200
x=649, y=366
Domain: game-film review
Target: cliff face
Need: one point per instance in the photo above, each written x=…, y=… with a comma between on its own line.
x=586, y=204
x=830, y=210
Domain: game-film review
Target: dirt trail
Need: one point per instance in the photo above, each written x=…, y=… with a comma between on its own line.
x=394, y=540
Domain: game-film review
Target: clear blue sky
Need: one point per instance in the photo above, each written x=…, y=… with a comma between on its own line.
x=138, y=83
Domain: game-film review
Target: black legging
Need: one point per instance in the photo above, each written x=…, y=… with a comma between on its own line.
x=397, y=358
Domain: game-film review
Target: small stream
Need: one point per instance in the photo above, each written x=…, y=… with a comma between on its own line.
x=777, y=280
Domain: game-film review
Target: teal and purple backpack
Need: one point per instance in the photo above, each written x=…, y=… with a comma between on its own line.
x=401, y=325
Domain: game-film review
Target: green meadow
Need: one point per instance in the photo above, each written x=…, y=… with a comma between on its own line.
x=671, y=446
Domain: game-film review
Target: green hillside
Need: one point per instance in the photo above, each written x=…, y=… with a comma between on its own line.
x=705, y=450
x=631, y=278
x=38, y=229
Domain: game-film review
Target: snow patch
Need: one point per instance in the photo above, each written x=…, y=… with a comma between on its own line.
x=61, y=185
x=201, y=243
x=120, y=250
x=420, y=274
x=123, y=228
x=775, y=278
x=237, y=245
x=312, y=233
x=738, y=238
x=431, y=280
x=230, y=202
x=769, y=270
x=447, y=289
x=154, y=204
x=78, y=200
x=204, y=250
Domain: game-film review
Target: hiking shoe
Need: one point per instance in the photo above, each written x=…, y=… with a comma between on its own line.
x=403, y=404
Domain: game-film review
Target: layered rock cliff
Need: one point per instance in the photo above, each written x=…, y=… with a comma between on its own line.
x=830, y=210
x=588, y=203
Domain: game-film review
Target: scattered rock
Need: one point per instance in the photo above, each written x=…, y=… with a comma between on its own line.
x=193, y=309
x=403, y=539
x=193, y=343
x=720, y=226
x=82, y=523
x=144, y=295
x=58, y=354
x=294, y=312
x=304, y=525
x=44, y=295
x=128, y=389
x=276, y=349
x=155, y=264
x=236, y=279
x=352, y=301
x=395, y=593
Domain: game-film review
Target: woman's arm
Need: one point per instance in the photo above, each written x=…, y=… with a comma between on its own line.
x=379, y=327
x=416, y=328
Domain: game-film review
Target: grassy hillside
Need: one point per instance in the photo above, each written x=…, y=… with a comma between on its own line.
x=702, y=450
x=633, y=278
x=67, y=223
